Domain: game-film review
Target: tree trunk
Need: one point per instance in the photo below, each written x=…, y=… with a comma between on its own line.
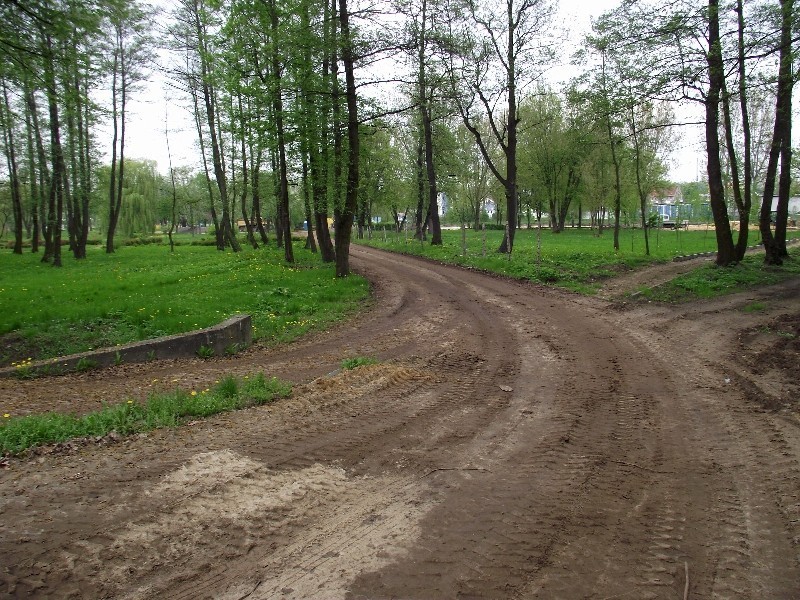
x=344, y=222
x=642, y=193
x=34, y=175
x=419, y=222
x=512, y=194
x=112, y=189
x=44, y=172
x=56, y=208
x=209, y=99
x=310, y=244
x=13, y=172
x=256, y=211
x=726, y=253
x=277, y=107
x=247, y=222
x=775, y=245
x=427, y=132
x=218, y=234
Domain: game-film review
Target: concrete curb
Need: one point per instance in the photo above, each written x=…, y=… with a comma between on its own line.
x=234, y=332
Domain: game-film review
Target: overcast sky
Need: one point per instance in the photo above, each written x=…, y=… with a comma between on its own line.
x=149, y=108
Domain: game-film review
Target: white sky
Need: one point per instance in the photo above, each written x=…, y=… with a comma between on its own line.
x=147, y=109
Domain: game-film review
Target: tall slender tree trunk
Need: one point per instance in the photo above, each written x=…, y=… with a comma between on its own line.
x=277, y=107
x=255, y=170
x=344, y=221
x=427, y=131
x=511, y=189
x=726, y=252
x=34, y=176
x=320, y=152
x=74, y=212
x=337, y=160
x=56, y=204
x=419, y=220
x=13, y=172
x=44, y=172
x=780, y=148
x=209, y=100
x=745, y=203
x=247, y=221
x=119, y=118
x=218, y=233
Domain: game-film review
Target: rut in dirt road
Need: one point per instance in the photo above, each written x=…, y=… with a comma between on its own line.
x=513, y=442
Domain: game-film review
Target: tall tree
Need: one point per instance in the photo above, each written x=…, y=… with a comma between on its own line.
x=344, y=222
x=780, y=149
x=6, y=123
x=501, y=52
x=129, y=56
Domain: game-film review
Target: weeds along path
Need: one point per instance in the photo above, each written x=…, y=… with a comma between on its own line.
x=513, y=442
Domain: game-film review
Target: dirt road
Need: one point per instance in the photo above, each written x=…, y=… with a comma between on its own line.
x=513, y=442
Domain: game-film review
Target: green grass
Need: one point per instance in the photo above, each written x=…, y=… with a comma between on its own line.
x=710, y=281
x=358, y=361
x=754, y=307
x=576, y=259
x=142, y=292
x=18, y=434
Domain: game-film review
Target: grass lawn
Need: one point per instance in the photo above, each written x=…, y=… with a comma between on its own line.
x=142, y=292
x=576, y=259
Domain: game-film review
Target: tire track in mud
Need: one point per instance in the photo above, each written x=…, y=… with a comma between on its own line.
x=515, y=530
x=513, y=442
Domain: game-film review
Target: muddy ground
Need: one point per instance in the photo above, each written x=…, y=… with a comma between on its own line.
x=513, y=442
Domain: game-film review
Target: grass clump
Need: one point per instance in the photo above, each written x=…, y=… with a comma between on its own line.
x=357, y=361
x=171, y=409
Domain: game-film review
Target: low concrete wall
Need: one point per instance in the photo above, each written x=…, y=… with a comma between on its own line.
x=236, y=331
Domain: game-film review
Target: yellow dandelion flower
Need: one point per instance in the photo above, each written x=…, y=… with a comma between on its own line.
x=6, y=416
x=194, y=393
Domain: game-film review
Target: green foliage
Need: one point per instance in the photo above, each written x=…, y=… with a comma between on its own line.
x=18, y=434
x=85, y=364
x=144, y=292
x=358, y=361
x=755, y=307
x=205, y=352
x=233, y=349
x=228, y=387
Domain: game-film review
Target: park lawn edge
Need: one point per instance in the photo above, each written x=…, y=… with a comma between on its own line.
x=759, y=275
x=711, y=281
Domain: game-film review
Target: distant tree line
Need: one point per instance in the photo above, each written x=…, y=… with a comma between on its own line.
x=329, y=111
